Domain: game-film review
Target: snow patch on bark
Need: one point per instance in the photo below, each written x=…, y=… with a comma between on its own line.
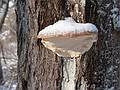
x=83, y=84
x=116, y=17
x=69, y=70
x=5, y=35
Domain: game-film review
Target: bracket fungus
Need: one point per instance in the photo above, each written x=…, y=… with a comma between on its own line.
x=67, y=38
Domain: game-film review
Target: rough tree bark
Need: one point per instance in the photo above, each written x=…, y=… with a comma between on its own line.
x=102, y=69
x=40, y=69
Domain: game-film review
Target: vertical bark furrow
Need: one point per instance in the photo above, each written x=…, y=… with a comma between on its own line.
x=105, y=70
x=38, y=67
x=23, y=42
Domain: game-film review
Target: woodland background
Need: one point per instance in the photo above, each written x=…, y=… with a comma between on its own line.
x=39, y=68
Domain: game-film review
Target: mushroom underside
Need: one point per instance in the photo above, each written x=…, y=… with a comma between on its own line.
x=70, y=46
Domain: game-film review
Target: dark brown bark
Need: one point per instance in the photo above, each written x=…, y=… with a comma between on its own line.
x=40, y=69
x=102, y=72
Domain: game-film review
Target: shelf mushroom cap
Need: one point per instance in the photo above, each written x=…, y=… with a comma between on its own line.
x=67, y=38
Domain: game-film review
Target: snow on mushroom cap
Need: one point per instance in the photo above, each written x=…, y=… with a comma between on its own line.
x=67, y=38
x=67, y=27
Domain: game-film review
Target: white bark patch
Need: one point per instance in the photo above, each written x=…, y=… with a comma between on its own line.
x=83, y=84
x=101, y=12
x=69, y=70
x=116, y=17
x=82, y=2
x=76, y=8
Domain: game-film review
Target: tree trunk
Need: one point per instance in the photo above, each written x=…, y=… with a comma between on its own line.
x=41, y=69
x=1, y=73
x=1, y=25
x=6, y=7
x=102, y=72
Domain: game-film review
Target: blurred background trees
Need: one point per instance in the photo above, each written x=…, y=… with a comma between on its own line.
x=41, y=69
x=8, y=45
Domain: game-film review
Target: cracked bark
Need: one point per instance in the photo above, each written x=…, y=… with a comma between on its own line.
x=102, y=73
x=40, y=69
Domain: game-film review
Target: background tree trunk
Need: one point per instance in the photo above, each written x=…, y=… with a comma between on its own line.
x=40, y=69
x=1, y=73
x=6, y=6
x=102, y=72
